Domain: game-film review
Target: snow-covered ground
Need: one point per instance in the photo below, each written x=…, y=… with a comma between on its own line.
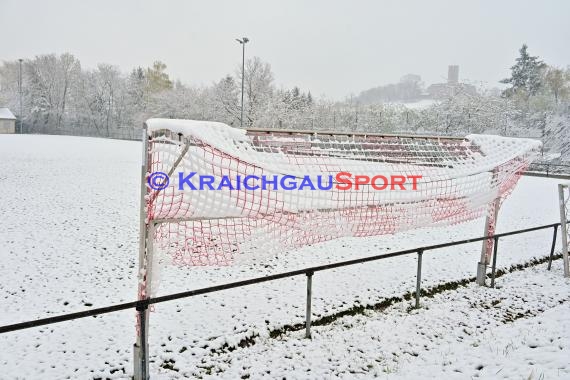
x=68, y=241
x=515, y=331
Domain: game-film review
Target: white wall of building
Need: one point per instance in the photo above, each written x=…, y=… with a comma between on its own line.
x=7, y=126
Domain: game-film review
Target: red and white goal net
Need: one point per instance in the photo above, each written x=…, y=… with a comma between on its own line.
x=261, y=190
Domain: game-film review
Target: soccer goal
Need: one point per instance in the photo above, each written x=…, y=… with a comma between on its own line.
x=564, y=197
x=212, y=194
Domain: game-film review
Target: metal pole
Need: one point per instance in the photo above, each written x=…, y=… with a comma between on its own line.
x=494, y=267
x=552, y=247
x=243, y=41
x=308, y=315
x=143, y=364
x=419, y=279
x=242, y=80
x=20, y=91
x=564, y=228
x=144, y=328
x=140, y=347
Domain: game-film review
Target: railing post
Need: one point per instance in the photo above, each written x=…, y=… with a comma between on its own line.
x=552, y=247
x=419, y=278
x=564, y=227
x=308, y=315
x=494, y=267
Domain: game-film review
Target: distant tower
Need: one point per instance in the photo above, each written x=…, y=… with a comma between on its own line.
x=453, y=74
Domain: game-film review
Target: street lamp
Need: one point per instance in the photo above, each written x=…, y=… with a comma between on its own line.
x=20, y=91
x=243, y=41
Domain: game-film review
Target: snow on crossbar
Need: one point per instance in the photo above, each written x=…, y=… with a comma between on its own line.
x=446, y=181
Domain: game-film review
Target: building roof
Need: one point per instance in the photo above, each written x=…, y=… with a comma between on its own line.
x=5, y=114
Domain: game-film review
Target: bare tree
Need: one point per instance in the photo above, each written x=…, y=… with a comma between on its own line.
x=258, y=87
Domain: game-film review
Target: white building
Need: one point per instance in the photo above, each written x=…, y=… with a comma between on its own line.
x=7, y=121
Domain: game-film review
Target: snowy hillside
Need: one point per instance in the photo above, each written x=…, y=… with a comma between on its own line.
x=69, y=241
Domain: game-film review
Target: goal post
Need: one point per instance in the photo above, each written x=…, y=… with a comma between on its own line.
x=488, y=245
x=564, y=203
x=140, y=352
x=212, y=194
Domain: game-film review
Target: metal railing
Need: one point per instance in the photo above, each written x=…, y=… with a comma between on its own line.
x=548, y=169
x=308, y=272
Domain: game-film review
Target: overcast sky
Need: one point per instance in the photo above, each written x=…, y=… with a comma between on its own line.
x=328, y=47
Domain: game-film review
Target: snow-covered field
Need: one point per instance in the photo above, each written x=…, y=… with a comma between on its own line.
x=69, y=239
x=515, y=331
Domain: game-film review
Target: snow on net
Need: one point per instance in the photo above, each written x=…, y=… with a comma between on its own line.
x=460, y=177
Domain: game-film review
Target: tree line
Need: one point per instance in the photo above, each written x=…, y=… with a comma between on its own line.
x=60, y=96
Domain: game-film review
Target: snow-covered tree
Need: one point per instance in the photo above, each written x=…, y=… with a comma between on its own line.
x=9, y=91
x=226, y=100
x=136, y=90
x=557, y=82
x=156, y=77
x=526, y=75
x=104, y=102
x=258, y=88
x=50, y=83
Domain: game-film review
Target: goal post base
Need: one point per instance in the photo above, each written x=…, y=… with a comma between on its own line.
x=481, y=273
x=136, y=359
x=140, y=372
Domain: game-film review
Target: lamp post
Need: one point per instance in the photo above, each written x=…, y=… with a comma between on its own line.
x=20, y=92
x=243, y=41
